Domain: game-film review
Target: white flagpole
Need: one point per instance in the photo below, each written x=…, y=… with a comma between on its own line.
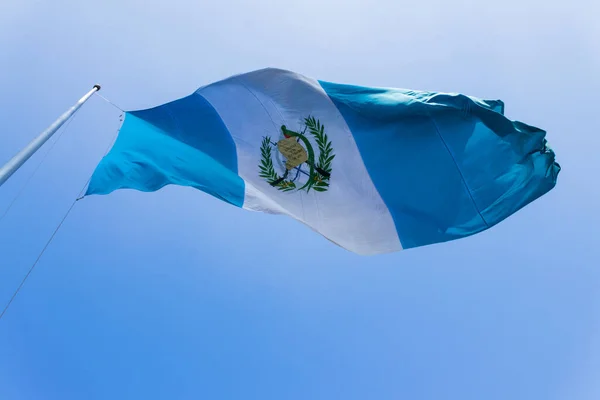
x=21, y=157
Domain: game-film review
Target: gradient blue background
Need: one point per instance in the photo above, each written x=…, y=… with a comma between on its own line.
x=176, y=295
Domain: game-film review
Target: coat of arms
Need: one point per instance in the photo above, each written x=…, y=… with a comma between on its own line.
x=300, y=168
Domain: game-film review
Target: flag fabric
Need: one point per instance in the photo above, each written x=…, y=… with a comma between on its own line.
x=374, y=170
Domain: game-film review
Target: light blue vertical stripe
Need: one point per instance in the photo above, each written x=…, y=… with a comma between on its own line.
x=183, y=142
x=446, y=166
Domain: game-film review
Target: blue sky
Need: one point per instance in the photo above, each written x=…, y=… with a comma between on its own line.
x=177, y=295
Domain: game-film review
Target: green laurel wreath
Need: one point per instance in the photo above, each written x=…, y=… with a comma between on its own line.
x=319, y=182
x=266, y=167
x=316, y=181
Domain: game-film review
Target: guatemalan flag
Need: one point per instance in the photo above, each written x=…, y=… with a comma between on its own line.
x=374, y=170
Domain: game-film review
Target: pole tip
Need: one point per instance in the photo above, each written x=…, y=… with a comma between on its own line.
x=97, y=87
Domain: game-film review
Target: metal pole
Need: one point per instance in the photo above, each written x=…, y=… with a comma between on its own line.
x=21, y=157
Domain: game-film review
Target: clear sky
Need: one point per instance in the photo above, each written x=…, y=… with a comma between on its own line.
x=176, y=295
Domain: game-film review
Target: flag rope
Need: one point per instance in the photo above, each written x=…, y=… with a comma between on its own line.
x=110, y=102
x=38, y=259
x=60, y=224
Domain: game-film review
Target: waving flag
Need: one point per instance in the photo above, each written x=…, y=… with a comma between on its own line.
x=374, y=170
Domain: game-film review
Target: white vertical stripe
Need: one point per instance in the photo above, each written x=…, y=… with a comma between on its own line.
x=254, y=105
